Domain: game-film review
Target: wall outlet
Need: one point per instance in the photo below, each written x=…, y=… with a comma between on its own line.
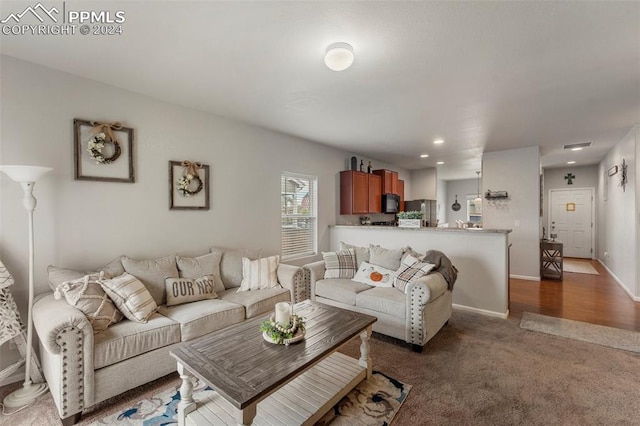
x=517, y=222
x=606, y=254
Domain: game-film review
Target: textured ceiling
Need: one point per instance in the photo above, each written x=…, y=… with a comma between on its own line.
x=484, y=76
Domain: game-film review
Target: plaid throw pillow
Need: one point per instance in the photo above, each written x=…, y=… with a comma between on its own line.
x=339, y=264
x=410, y=270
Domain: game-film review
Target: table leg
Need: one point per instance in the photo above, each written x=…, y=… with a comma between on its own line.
x=186, y=404
x=365, y=359
x=246, y=416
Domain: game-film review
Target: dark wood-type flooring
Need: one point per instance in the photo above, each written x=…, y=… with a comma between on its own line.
x=596, y=299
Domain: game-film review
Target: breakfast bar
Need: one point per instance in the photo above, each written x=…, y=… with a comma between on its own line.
x=480, y=255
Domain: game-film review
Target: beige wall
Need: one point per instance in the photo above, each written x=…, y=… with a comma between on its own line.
x=423, y=184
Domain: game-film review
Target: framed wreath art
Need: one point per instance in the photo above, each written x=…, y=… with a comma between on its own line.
x=103, y=151
x=188, y=185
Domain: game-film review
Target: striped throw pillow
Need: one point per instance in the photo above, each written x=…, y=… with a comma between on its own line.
x=130, y=296
x=340, y=264
x=259, y=274
x=410, y=270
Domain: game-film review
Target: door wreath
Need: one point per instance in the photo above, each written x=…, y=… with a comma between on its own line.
x=103, y=135
x=189, y=179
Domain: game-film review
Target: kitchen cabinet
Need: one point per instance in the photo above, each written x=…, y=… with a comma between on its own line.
x=375, y=193
x=389, y=181
x=401, y=193
x=360, y=193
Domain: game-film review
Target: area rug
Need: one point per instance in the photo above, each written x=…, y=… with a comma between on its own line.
x=579, y=267
x=585, y=332
x=373, y=402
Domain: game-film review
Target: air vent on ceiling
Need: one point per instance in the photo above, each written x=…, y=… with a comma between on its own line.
x=577, y=145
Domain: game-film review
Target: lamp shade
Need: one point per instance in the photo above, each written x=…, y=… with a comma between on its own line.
x=339, y=56
x=25, y=173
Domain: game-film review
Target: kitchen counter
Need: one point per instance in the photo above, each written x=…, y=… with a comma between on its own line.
x=397, y=228
x=481, y=256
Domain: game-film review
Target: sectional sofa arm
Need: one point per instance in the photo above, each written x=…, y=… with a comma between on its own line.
x=418, y=295
x=292, y=278
x=66, y=353
x=313, y=272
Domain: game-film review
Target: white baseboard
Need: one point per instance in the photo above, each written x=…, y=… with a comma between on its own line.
x=620, y=283
x=482, y=311
x=525, y=277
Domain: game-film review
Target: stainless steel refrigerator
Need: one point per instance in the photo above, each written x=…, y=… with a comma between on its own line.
x=428, y=209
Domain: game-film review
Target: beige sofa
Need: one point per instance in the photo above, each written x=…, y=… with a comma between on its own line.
x=414, y=316
x=83, y=369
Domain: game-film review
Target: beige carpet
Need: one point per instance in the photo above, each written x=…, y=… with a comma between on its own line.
x=592, y=333
x=579, y=267
x=478, y=370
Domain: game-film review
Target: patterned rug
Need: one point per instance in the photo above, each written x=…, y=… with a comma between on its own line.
x=373, y=402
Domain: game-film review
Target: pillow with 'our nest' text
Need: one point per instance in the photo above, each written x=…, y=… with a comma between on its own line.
x=186, y=290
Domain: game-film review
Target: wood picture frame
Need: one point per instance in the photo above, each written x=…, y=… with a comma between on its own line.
x=178, y=201
x=87, y=168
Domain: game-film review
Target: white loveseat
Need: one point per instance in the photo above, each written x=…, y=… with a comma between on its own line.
x=83, y=368
x=414, y=315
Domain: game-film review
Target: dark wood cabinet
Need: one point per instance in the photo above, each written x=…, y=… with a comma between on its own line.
x=375, y=194
x=354, y=192
x=389, y=181
x=401, y=193
x=551, y=260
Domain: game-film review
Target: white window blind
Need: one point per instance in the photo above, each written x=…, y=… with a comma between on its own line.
x=299, y=215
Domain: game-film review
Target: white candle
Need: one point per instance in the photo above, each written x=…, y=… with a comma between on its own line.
x=282, y=313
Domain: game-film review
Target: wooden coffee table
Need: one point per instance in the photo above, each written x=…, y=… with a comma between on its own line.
x=257, y=382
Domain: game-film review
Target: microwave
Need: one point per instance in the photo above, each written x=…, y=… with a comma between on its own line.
x=390, y=203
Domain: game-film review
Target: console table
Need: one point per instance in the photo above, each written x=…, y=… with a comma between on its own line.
x=551, y=260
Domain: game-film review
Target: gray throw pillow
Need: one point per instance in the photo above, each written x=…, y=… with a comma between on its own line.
x=153, y=273
x=231, y=265
x=362, y=253
x=386, y=258
x=58, y=276
x=196, y=267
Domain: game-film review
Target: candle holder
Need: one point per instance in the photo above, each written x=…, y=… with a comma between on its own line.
x=275, y=332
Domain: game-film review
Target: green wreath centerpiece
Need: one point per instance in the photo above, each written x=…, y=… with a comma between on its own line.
x=184, y=183
x=96, y=144
x=283, y=334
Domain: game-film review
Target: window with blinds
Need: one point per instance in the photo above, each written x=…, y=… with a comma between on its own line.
x=299, y=215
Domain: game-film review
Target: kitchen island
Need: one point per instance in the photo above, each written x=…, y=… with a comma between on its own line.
x=481, y=256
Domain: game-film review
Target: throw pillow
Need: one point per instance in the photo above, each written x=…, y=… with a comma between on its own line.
x=386, y=258
x=411, y=270
x=58, y=276
x=374, y=275
x=362, y=253
x=409, y=251
x=185, y=290
x=231, y=265
x=339, y=264
x=130, y=296
x=87, y=295
x=195, y=267
x=152, y=273
x=261, y=273
x=113, y=268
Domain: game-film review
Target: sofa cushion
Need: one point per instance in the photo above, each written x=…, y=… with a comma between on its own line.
x=130, y=296
x=196, y=267
x=362, y=253
x=87, y=295
x=127, y=339
x=386, y=258
x=257, y=302
x=152, y=273
x=340, y=290
x=387, y=300
x=199, y=318
x=185, y=290
x=58, y=276
x=375, y=275
x=260, y=273
x=339, y=264
x=410, y=270
x=231, y=265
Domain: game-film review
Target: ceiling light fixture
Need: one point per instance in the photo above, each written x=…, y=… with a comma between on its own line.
x=438, y=141
x=577, y=149
x=440, y=162
x=571, y=162
x=424, y=155
x=577, y=145
x=339, y=56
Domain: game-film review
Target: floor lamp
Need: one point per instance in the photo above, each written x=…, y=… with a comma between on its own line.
x=27, y=177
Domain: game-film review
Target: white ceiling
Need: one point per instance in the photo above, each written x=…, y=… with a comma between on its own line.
x=484, y=76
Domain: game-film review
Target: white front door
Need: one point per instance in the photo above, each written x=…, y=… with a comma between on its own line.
x=571, y=219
